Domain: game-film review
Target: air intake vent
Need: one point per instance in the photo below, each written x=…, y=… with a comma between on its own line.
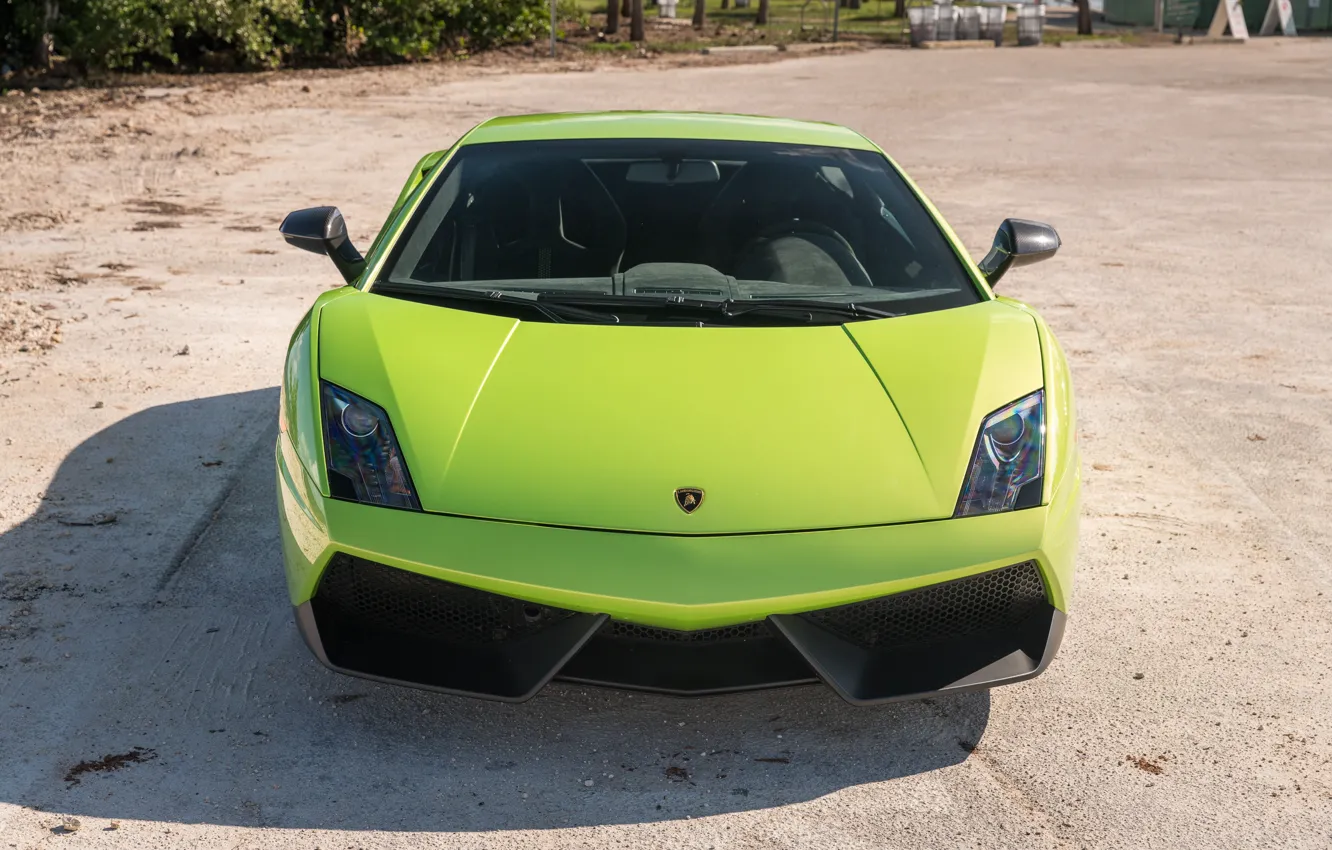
x=381, y=597
x=994, y=600
x=620, y=630
x=666, y=290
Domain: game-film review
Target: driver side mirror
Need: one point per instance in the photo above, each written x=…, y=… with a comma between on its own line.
x=1018, y=243
x=321, y=230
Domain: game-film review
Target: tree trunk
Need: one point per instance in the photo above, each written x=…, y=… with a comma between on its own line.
x=612, y=17
x=762, y=17
x=636, y=22
x=348, y=47
x=624, y=9
x=700, y=14
x=46, y=43
x=1084, y=17
x=899, y=9
x=726, y=4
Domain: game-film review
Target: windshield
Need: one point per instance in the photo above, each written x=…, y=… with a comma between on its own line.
x=685, y=224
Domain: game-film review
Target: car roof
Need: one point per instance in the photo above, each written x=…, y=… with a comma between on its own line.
x=665, y=125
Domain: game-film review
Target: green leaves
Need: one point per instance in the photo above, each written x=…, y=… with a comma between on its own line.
x=219, y=34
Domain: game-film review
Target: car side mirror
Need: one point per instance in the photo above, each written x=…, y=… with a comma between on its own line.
x=1018, y=243
x=321, y=230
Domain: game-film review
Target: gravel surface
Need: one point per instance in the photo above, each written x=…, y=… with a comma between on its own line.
x=154, y=692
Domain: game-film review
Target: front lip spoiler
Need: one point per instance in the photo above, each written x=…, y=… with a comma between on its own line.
x=510, y=672
x=860, y=676
x=866, y=677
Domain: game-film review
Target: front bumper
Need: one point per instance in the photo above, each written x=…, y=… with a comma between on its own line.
x=684, y=615
x=375, y=621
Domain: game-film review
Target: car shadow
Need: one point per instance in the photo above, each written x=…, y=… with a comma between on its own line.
x=154, y=674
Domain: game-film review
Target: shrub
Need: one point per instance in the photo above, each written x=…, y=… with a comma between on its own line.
x=135, y=34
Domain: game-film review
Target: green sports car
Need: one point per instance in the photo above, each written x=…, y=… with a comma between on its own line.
x=680, y=403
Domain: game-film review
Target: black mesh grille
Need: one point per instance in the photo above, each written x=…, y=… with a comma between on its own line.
x=978, y=603
x=382, y=597
x=620, y=630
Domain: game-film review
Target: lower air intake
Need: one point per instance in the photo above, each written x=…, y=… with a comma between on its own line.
x=378, y=621
x=620, y=630
x=384, y=623
x=381, y=597
x=997, y=599
x=740, y=657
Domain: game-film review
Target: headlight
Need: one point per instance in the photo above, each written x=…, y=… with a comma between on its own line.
x=364, y=463
x=1007, y=464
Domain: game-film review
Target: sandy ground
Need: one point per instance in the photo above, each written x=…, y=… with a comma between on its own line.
x=146, y=304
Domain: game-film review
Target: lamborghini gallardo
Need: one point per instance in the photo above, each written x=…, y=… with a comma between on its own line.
x=680, y=403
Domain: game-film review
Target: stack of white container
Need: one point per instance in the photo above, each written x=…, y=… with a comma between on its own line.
x=945, y=22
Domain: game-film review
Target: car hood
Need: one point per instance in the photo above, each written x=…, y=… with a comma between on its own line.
x=597, y=426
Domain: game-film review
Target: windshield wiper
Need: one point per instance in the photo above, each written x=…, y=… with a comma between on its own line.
x=794, y=308
x=781, y=308
x=603, y=308
x=554, y=312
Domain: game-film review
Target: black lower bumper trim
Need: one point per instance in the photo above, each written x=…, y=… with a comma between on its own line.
x=977, y=661
x=378, y=622
x=660, y=662
x=510, y=671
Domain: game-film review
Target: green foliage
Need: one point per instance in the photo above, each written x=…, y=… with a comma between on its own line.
x=134, y=34
x=126, y=33
x=572, y=12
x=20, y=28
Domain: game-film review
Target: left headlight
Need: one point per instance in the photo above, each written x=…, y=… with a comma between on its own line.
x=364, y=462
x=1008, y=462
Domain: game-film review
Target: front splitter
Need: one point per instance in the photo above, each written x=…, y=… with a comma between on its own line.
x=516, y=670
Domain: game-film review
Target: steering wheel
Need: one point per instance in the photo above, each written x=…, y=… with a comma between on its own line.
x=845, y=258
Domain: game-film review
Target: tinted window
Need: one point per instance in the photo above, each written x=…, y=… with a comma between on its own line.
x=713, y=219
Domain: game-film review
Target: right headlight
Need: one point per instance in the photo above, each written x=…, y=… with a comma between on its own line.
x=1008, y=461
x=364, y=462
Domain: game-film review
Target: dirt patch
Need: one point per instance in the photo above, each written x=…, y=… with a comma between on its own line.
x=150, y=226
x=108, y=764
x=677, y=774
x=145, y=206
x=32, y=220
x=26, y=327
x=1145, y=764
x=67, y=277
x=22, y=587
x=16, y=280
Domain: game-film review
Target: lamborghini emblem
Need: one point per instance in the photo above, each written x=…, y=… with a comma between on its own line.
x=689, y=498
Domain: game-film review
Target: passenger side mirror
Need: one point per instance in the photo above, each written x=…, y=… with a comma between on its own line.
x=1018, y=243
x=321, y=230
